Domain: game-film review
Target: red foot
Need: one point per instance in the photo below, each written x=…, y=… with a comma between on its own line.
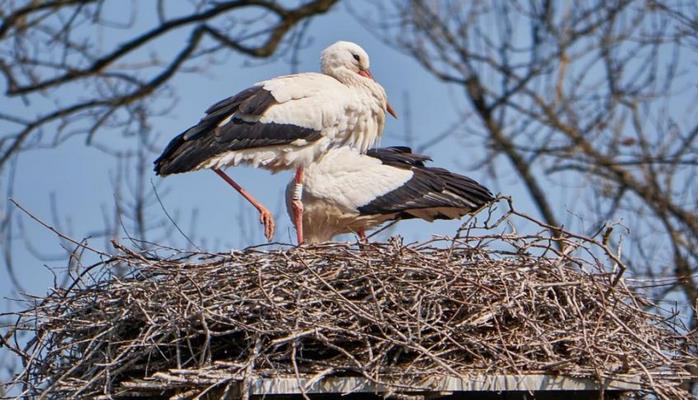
x=267, y=219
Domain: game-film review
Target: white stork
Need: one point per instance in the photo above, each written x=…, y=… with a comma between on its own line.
x=346, y=191
x=286, y=123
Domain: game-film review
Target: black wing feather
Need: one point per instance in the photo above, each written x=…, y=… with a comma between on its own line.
x=398, y=156
x=428, y=188
x=206, y=139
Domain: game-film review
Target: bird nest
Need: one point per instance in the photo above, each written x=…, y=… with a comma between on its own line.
x=182, y=325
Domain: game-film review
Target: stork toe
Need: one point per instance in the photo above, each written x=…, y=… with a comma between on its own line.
x=267, y=219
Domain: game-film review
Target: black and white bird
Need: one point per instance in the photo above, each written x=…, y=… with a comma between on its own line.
x=286, y=123
x=346, y=191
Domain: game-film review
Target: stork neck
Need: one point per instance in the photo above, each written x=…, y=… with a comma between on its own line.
x=351, y=78
x=354, y=80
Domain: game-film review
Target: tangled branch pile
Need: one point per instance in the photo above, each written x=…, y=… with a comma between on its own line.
x=193, y=324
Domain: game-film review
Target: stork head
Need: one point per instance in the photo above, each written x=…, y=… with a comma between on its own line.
x=344, y=56
x=344, y=61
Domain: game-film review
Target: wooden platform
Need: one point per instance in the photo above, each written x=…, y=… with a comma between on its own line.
x=481, y=387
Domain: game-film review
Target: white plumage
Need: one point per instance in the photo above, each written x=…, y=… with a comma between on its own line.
x=348, y=180
x=289, y=121
x=346, y=191
x=286, y=122
x=343, y=115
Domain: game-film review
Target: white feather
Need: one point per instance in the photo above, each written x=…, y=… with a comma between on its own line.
x=351, y=180
x=337, y=185
x=344, y=106
x=273, y=158
x=344, y=115
x=342, y=181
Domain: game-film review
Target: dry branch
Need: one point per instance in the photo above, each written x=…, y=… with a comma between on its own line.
x=197, y=324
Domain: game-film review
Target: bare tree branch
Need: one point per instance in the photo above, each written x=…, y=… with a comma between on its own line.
x=42, y=49
x=599, y=96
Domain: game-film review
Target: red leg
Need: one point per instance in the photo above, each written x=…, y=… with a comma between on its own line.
x=265, y=216
x=362, y=235
x=297, y=204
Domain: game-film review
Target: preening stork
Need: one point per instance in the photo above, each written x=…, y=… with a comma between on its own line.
x=286, y=123
x=346, y=191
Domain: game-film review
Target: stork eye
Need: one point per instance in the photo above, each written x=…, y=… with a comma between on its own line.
x=356, y=57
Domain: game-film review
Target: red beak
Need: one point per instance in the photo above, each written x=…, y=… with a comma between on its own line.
x=389, y=109
x=366, y=73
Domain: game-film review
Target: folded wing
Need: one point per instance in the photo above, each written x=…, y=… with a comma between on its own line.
x=287, y=110
x=431, y=193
